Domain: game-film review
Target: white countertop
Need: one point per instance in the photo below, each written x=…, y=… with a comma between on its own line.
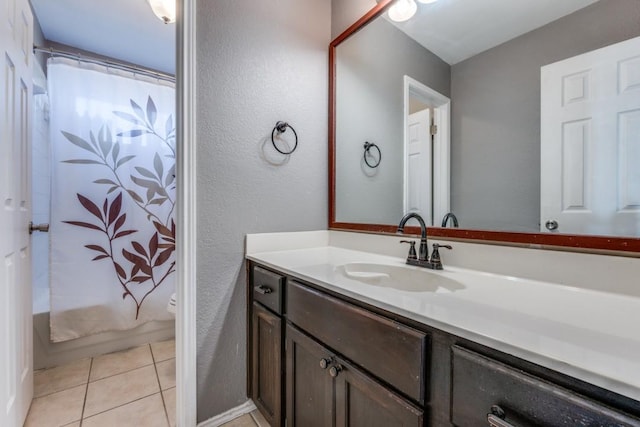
x=587, y=334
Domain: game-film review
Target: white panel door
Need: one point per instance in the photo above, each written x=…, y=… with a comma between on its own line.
x=16, y=372
x=590, y=142
x=418, y=166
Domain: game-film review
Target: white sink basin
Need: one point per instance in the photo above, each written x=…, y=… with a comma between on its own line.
x=411, y=279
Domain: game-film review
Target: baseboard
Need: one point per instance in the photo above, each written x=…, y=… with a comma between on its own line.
x=231, y=414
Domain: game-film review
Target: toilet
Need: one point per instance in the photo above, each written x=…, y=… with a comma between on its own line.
x=171, y=306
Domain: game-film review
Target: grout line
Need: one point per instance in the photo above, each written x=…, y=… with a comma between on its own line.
x=166, y=412
x=61, y=390
x=164, y=405
x=120, y=373
x=155, y=368
x=69, y=387
x=86, y=384
x=160, y=363
x=134, y=400
x=116, y=407
x=86, y=392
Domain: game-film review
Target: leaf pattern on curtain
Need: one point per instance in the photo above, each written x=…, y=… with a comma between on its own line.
x=140, y=267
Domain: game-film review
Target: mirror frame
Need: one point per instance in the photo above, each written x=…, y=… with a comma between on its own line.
x=626, y=246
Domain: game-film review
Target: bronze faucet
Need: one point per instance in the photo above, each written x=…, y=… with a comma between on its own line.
x=453, y=218
x=423, y=259
x=423, y=253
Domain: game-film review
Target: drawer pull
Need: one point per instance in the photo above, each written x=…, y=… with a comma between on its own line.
x=324, y=363
x=495, y=421
x=335, y=370
x=263, y=289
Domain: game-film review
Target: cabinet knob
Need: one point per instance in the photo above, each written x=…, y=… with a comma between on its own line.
x=324, y=363
x=335, y=370
x=263, y=289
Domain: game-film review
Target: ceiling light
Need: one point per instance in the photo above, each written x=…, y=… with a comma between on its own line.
x=165, y=10
x=402, y=10
x=427, y=1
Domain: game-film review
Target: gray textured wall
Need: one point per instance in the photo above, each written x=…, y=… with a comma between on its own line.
x=495, y=146
x=258, y=62
x=369, y=107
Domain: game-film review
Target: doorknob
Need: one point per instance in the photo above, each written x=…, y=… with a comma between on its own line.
x=39, y=227
x=551, y=225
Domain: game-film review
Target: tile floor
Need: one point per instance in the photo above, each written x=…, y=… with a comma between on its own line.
x=253, y=419
x=134, y=388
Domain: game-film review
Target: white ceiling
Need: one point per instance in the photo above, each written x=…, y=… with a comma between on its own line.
x=122, y=29
x=452, y=29
x=459, y=29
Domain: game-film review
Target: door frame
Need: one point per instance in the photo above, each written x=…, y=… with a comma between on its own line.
x=442, y=142
x=186, y=238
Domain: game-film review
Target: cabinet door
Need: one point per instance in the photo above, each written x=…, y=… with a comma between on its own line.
x=267, y=364
x=310, y=388
x=362, y=402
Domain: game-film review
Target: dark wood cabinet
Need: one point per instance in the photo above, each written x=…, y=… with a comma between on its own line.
x=364, y=402
x=266, y=339
x=267, y=288
x=266, y=381
x=324, y=390
x=321, y=359
x=309, y=384
x=389, y=350
x=485, y=390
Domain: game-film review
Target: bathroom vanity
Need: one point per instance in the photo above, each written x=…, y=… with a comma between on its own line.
x=345, y=334
x=337, y=338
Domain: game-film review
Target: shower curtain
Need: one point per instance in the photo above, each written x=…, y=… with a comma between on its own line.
x=112, y=199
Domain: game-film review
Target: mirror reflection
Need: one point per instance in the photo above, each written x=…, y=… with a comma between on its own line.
x=526, y=121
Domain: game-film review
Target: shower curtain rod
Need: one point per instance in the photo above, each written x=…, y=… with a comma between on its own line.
x=109, y=64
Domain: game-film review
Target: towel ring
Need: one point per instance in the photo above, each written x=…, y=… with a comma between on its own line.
x=367, y=148
x=281, y=127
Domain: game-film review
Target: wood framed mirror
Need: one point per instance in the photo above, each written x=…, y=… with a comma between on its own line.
x=493, y=174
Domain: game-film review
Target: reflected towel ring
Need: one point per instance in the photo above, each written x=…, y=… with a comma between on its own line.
x=281, y=127
x=367, y=147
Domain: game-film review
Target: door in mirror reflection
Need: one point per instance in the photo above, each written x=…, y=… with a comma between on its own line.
x=426, y=151
x=590, y=142
x=418, y=164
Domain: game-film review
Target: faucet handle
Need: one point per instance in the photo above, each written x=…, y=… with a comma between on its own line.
x=412, y=249
x=435, y=255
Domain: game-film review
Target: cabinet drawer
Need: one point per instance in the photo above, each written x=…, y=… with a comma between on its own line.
x=393, y=352
x=267, y=288
x=483, y=386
